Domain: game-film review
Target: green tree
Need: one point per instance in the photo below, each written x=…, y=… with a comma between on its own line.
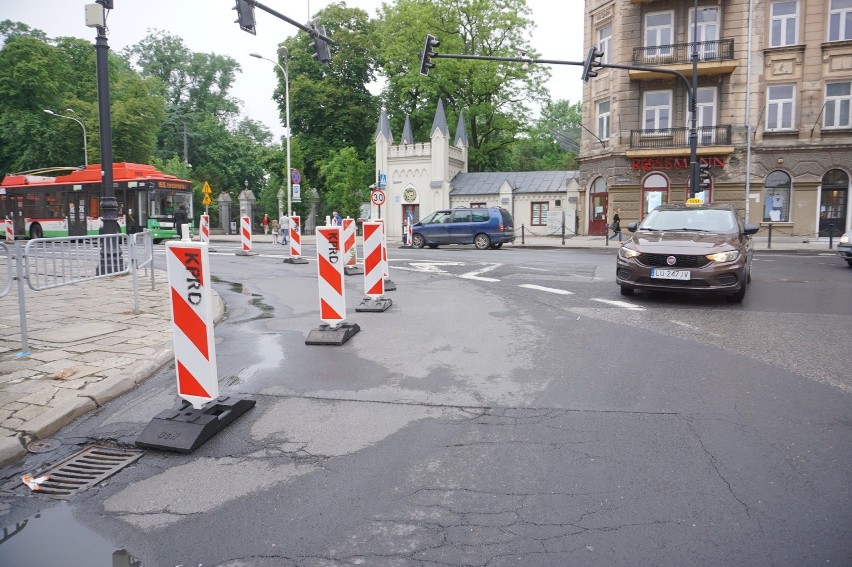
x=552, y=142
x=331, y=108
x=495, y=96
x=345, y=178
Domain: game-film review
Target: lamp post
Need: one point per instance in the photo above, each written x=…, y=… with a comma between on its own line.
x=83, y=126
x=282, y=53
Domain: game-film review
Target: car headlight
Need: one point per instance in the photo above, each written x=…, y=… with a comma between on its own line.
x=626, y=253
x=845, y=239
x=724, y=256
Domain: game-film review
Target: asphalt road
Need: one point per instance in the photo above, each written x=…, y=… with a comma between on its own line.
x=510, y=408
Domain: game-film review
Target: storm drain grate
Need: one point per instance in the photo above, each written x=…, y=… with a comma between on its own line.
x=84, y=470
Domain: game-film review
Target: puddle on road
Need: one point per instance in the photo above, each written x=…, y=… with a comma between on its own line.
x=266, y=310
x=54, y=537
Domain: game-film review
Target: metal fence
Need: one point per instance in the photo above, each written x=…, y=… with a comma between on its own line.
x=679, y=137
x=681, y=53
x=46, y=263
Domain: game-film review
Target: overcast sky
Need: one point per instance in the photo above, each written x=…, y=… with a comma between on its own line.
x=208, y=26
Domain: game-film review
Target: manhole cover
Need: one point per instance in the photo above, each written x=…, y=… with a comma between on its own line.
x=84, y=469
x=43, y=446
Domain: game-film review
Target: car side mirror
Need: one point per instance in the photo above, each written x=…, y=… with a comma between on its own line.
x=750, y=229
x=632, y=227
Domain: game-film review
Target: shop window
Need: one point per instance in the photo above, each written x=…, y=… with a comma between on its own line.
x=655, y=192
x=539, y=213
x=776, y=195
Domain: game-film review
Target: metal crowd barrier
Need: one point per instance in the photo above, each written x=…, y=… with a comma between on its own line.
x=47, y=263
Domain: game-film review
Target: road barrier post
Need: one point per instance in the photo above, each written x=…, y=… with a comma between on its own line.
x=374, y=282
x=332, y=290
x=295, y=242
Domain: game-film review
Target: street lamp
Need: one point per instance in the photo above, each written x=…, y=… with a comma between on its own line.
x=282, y=52
x=83, y=126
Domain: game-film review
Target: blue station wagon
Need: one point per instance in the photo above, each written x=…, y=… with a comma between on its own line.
x=484, y=227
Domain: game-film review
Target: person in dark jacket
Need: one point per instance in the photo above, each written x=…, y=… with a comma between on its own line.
x=180, y=219
x=616, y=227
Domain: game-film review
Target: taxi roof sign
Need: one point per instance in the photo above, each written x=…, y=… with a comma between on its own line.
x=694, y=201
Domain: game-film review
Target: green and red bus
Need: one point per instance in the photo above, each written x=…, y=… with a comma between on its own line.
x=42, y=205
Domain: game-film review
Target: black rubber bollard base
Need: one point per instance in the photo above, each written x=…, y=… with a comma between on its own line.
x=336, y=336
x=389, y=285
x=295, y=260
x=352, y=270
x=185, y=428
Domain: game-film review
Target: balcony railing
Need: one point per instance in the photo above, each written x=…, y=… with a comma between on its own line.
x=679, y=137
x=716, y=50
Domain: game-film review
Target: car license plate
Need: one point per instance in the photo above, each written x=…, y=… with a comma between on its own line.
x=670, y=274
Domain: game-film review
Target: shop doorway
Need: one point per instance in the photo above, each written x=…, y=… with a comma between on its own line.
x=598, y=202
x=833, y=203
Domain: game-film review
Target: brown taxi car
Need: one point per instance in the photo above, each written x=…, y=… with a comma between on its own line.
x=688, y=248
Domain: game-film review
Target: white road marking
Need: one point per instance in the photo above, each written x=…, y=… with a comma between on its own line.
x=623, y=304
x=431, y=267
x=687, y=325
x=474, y=275
x=547, y=289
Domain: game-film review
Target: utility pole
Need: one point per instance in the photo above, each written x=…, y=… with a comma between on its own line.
x=693, y=108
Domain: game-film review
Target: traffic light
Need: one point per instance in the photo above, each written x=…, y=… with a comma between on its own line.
x=704, y=177
x=245, y=16
x=428, y=53
x=592, y=59
x=319, y=45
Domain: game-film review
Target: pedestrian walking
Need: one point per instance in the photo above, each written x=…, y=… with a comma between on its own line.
x=616, y=227
x=336, y=219
x=265, y=224
x=180, y=219
x=275, y=228
x=284, y=228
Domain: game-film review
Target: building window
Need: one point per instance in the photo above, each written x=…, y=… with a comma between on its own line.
x=658, y=109
x=655, y=192
x=840, y=20
x=659, y=33
x=779, y=107
x=478, y=205
x=776, y=193
x=838, y=97
x=603, y=120
x=784, y=23
x=708, y=32
x=605, y=43
x=539, y=214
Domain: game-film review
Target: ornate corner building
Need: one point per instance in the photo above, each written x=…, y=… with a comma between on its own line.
x=773, y=98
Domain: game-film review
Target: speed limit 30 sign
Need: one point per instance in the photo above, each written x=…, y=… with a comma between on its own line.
x=378, y=197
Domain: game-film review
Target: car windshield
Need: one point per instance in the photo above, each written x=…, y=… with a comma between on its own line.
x=699, y=220
x=437, y=217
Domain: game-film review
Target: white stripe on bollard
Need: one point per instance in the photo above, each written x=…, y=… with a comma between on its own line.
x=295, y=237
x=350, y=252
x=245, y=233
x=192, y=322
x=332, y=292
x=205, y=229
x=9, y=230
x=374, y=282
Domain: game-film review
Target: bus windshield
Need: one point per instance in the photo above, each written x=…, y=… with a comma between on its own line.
x=165, y=202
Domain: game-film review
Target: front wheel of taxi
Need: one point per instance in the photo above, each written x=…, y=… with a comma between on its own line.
x=628, y=291
x=740, y=294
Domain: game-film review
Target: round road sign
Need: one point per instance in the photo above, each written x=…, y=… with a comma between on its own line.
x=295, y=176
x=378, y=197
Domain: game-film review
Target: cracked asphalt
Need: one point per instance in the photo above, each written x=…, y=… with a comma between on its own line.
x=480, y=424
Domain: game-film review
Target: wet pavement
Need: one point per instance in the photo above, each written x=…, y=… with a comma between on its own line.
x=86, y=345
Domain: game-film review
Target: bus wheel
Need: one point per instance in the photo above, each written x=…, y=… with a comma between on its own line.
x=36, y=231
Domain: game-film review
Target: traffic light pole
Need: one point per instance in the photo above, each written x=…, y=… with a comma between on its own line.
x=310, y=31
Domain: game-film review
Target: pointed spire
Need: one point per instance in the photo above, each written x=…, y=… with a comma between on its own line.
x=384, y=126
x=440, y=121
x=407, y=137
x=461, y=132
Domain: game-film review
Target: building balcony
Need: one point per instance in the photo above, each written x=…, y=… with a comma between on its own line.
x=714, y=58
x=675, y=141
